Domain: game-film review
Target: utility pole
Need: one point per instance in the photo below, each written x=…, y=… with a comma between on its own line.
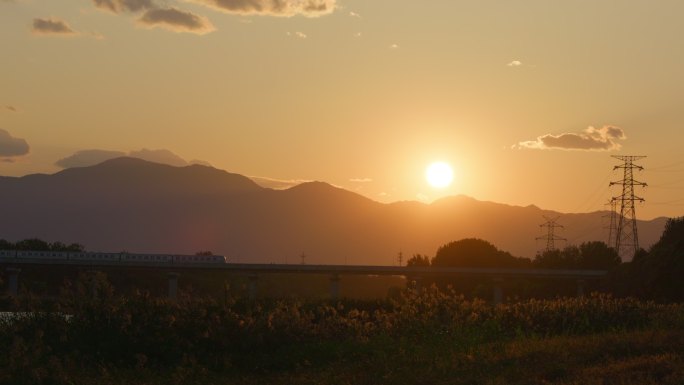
x=550, y=236
x=400, y=258
x=626, y=237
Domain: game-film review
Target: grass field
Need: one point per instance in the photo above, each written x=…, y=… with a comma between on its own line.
x=426, y=336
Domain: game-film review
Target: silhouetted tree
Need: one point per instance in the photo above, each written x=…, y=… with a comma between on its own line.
x=418, y=260
x=658, y=273
x=6, y=245
x=589, y=255
x=597, y=255
x=472, y=252
x=33, y=244
x=204, y=253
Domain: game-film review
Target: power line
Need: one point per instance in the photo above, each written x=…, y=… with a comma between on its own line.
x=626, y=237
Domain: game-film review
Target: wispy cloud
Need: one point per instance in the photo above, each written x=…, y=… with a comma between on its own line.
x=394, y=46
x=361, y=180
x=11, y=108
x=84, y=158
x=11, y=147
x=155, y=16
x=591, y=139
x=176, y=20
x=281, y=8
x=277, y=184
x=51, y=27
x=119, y=6
x=297, y=34
x=515, y=63
x=354, y=14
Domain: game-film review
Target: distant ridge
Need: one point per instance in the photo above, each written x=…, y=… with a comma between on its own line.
x=139, y=206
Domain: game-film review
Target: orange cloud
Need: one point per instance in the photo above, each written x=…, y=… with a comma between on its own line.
x=282, y=8
x=176, y=20
x=591, y=139
x=51, y=26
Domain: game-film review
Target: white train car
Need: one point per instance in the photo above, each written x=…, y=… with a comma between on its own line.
x=162, y=259
x=199, y=259
x=90, y=256
x=8, y=253
x=146, y=258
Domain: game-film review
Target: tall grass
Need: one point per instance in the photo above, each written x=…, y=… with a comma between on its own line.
x=105, y=332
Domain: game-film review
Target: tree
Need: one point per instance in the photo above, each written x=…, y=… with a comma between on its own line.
x=658, y=274
x=589, y=255
x=6, y=245
x=473, y=252
x=597, y=255
x=418, y=260
x=34, y=244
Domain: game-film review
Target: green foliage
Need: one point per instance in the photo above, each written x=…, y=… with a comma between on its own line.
x=472, y=252
x=594, y=255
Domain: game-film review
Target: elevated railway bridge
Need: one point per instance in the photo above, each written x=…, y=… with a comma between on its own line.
x=12, y=267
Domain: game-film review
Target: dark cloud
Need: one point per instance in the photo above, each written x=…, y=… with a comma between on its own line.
x=159, y=156
x=86, y=158
x=11, y=147
x=51, y=26
x=284, y=8
x=592, y=139
x=12, y=108
x=176, y=20
x=119, y=6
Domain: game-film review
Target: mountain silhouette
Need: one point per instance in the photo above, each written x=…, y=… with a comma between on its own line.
x=138, y=206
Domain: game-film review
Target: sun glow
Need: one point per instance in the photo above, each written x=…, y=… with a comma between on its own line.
x=439, y=174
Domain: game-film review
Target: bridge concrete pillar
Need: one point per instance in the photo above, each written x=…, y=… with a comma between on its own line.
x=498, y=291
x=173, y=286
x=252, y=287
x=335, y=286
x=13, y=281
x=580, y=288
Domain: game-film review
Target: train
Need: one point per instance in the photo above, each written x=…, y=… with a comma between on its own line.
x=112, y=257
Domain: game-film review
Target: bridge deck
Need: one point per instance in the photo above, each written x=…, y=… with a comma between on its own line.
x=421, y=271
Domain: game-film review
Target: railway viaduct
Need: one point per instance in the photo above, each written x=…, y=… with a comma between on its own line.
x=335, y=272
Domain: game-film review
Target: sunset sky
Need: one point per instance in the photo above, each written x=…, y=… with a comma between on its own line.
x=527, y=100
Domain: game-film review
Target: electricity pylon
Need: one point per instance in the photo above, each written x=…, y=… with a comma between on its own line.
x=626, y=237
x=611, y=227
x=550, y=236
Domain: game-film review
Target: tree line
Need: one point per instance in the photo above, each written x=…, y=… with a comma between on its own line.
x=655, y=273
x=35, y=244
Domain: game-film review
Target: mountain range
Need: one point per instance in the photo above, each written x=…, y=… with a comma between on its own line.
x=139, y=206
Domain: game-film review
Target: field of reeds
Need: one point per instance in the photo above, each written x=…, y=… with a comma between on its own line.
x=426, y=336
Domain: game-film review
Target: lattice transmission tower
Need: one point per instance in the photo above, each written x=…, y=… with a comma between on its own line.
x=613, y=222
x=551, y=236
x=626, y=237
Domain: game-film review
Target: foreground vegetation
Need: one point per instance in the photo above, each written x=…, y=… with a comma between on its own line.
x=426, y=336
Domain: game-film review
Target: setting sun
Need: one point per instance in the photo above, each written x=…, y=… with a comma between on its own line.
x=439, y=174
